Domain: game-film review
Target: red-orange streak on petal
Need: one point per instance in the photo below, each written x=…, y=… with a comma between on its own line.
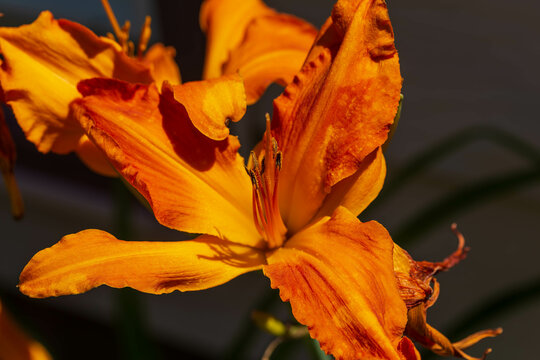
x=211, y=104
x=338, y=276
x=338, y=108
x=162, y=64
x=273, y=50
x=407, y=350
x=15, y=344
x=225, y=22
x=193, y=183
x=90, y=258
x=44, y=61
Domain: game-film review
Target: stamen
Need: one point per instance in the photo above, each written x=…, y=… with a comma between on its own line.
x=146, y=31
x=254, y=159
x=120, y=34
x=262, y=165
x=274, y=148
x=128, y=46
x=264, y=172
x=278, y=160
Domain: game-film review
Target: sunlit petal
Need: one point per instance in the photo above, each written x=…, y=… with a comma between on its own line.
x=90, y=258
x=43, y=62
x=273, y=50
x=163, y=66
x=338, y=108
x=193, y=183
x=338, y=276
x=211, y=104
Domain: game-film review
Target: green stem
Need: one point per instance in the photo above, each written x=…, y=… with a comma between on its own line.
x=134, y=342
x=246, y=335
x=316, y=350
x=461, y=199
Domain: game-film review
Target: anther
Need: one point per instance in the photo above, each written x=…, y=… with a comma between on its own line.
x=255, y=161
x=146, y=31
x=274, y=148
x=262, y=165
x=278, y=160
x=254, y=181
x=251, y=176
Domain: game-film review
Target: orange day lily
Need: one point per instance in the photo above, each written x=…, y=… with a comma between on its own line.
x=324, y=147
x=291, y=212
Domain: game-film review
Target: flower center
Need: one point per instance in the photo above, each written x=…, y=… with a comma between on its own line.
x=263, y=169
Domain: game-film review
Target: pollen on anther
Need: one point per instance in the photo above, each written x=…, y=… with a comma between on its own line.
x=278, y=160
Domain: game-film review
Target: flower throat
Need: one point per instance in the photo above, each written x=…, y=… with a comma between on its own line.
x=263, y=169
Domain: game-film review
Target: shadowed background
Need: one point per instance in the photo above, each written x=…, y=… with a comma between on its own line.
x=470, y=73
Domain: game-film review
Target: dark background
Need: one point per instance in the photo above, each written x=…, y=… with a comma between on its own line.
x=465, y=64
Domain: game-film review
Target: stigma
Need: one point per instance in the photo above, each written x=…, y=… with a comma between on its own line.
x=263, y=169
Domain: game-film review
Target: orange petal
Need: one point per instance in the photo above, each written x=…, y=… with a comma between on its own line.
x=56, y=54
x=414, y=281
x=162, y=64
x=225, y=23
x=193, y=183
x=357, y=191
x=338, y=108
x=7, y=165
x=15, y=344
x=90, y=258
x=211, y=104
x=274, y=49
x=94, y=158
x=338, y=276
x=415, y=277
